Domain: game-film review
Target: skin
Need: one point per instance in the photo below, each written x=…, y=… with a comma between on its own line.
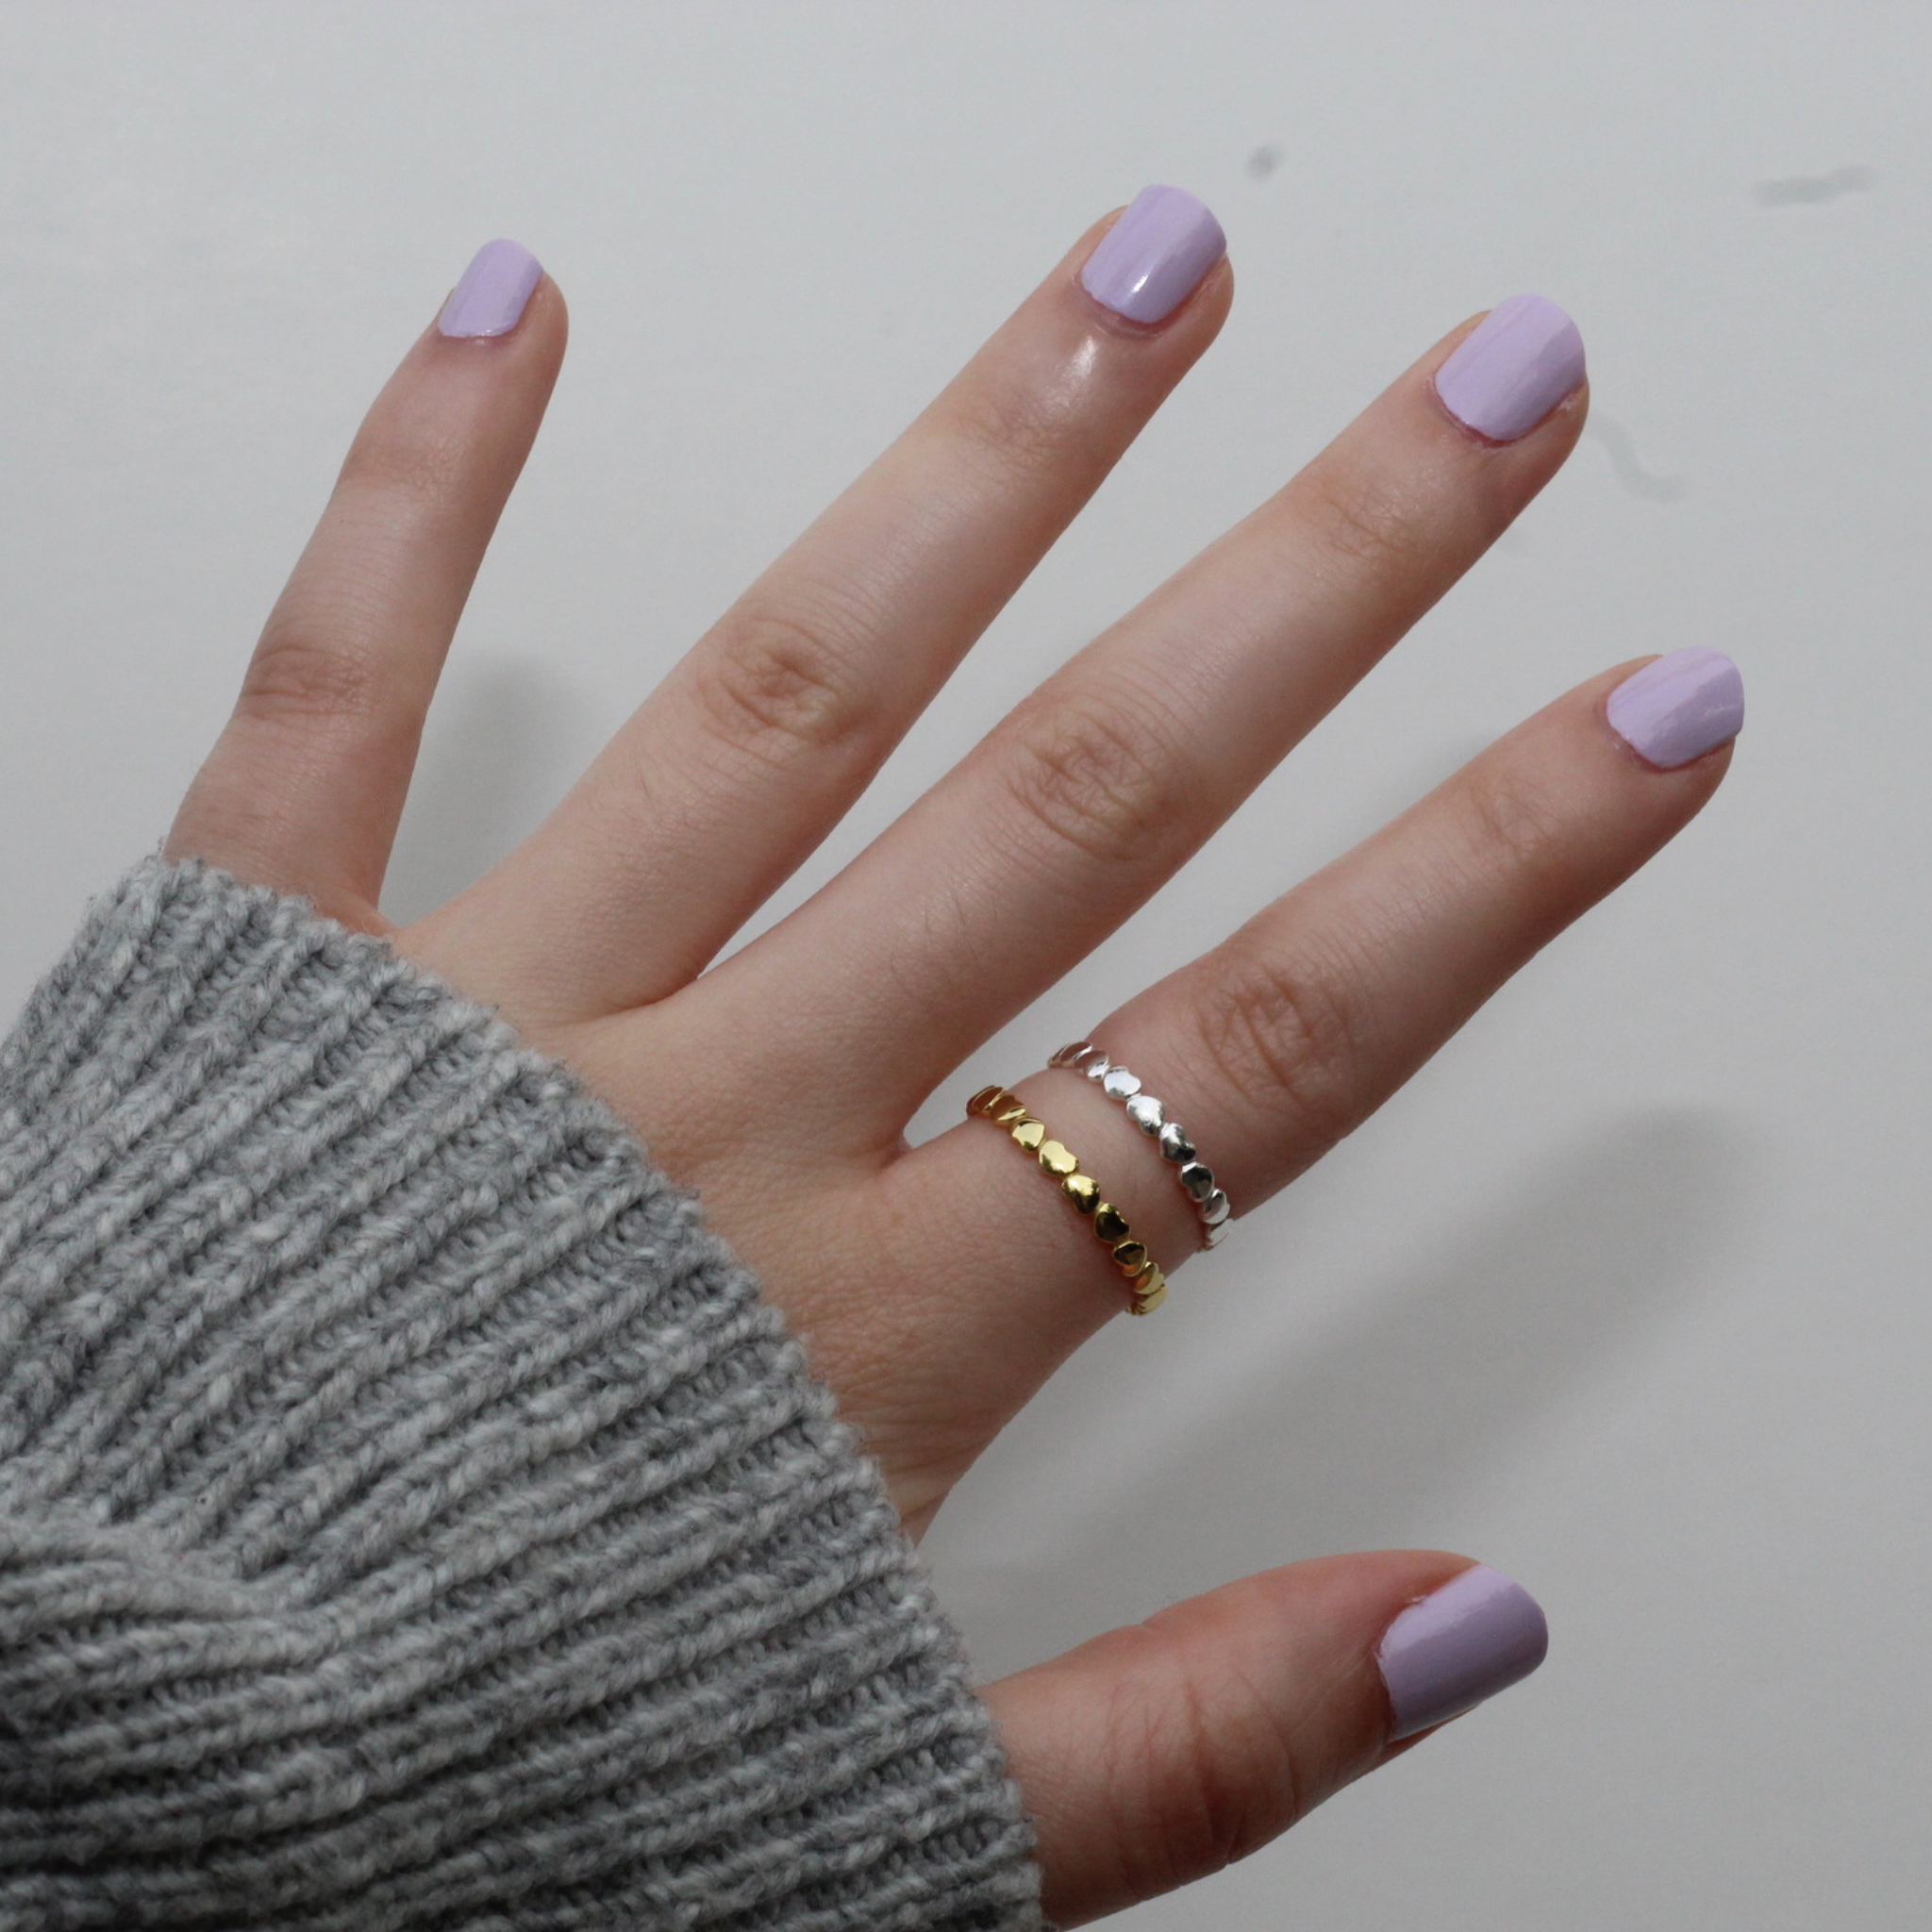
x=937, y=1289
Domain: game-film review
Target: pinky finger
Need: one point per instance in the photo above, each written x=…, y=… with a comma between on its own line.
x=1161, y=1752
x=305, y=787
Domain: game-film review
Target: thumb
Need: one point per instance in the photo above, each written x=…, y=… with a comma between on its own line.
x=1165, y=1749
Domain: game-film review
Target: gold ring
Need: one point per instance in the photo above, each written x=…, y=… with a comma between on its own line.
x=1144, y=1277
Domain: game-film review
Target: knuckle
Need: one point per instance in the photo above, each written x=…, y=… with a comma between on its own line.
x=1025, y=430
x=1282, y=1040
x=422, y=466
x=1097, y=772
x=298, y=677
x=1215, y=1780
x=785, y=686
x=1515, y=816
x=1363, y=518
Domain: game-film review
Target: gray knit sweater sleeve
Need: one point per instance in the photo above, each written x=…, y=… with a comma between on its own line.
x=410, y=1516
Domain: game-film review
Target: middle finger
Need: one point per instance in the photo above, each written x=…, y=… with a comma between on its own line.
x=1093, y=792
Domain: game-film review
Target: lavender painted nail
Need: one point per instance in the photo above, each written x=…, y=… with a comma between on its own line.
x=1512, y=369
x=489, y=301
x=1475, y=1635
x=1683, y=704
x=1153, y=259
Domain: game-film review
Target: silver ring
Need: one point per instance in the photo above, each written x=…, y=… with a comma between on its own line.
x=1176, y=1145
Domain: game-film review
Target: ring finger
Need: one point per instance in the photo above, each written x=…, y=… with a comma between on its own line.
x=750, y=751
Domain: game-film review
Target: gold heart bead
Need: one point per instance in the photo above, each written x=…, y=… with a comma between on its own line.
x=1055, y=1159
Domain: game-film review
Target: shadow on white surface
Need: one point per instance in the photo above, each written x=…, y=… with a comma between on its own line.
x=1380, y=1430
x=499, y=731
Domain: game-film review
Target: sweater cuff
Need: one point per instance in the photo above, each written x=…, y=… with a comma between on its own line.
x=410, y=1515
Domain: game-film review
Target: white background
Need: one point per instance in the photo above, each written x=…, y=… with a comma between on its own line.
x=1627, y=1295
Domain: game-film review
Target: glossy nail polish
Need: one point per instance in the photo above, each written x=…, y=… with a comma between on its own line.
x=1153, y=259
x=489, y=301
x=1680, y=706
x=1461, y=1645
x=1512, y=369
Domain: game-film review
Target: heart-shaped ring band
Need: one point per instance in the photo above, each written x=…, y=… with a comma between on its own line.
x=1208, y=1200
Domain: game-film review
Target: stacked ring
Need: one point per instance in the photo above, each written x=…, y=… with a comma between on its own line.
x=1177, y=1146
x=1144, y=1277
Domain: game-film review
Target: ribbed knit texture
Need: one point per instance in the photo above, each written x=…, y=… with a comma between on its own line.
x=410, y=1516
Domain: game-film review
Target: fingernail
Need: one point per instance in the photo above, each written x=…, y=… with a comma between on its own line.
x=489, y=301
x=1682, y=706
x=1475, y=1635
x=1512, y=369
x=1153, y=259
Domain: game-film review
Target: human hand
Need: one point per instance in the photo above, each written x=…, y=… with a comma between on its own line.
x=937, y=1288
